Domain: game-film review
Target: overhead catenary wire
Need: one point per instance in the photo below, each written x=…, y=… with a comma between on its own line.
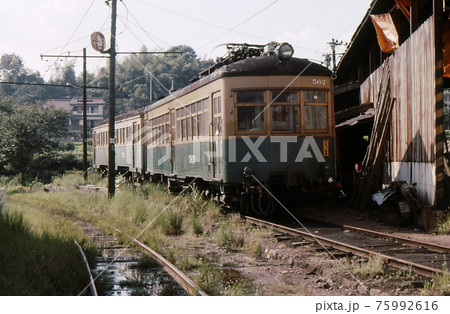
x=143, y=29
x=241, y=23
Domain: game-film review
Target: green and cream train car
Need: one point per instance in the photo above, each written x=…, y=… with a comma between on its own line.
x=256, y=123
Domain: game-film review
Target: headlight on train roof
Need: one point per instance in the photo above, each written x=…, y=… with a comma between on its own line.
x=284, y=51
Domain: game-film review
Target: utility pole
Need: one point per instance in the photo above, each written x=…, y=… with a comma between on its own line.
x=333, y=43
x=112, y=103
x=84, y=97
x=85, y=174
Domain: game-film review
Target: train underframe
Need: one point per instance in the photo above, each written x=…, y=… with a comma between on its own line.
x=248, y=196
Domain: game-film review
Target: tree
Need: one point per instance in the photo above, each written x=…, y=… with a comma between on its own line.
x=28, y=131
x=65, y=75
x=12, y=69
x=134, y=73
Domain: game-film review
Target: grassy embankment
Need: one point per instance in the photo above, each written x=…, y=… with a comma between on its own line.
x=163, y=221
x=38, y=255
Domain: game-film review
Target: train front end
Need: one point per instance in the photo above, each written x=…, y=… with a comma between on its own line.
x=278, y=130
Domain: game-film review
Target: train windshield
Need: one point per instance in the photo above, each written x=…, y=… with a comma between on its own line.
x=250, y=113
x=285, y=111
x=250, y=118
x=315, y=110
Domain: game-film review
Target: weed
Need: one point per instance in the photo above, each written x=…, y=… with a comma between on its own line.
x=256, y=249
x=140, y=213
x=227, y=239
x=12, y=185
x=240, y=288
x=197, y=227
x=170, y=290
x=210, y=279
x=444, y=226
x=69, y=180
x=173, y=223
x=440, y=284
x=145, y=263
x=195, y=202
x=372, y=266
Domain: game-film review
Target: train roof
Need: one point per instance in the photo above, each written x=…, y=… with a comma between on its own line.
x=256, y=66
x=123, y=116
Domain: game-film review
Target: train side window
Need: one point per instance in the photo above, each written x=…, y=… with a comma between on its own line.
x=250, y=118
x=188, y=127
x=178, y=115
x=200, y=124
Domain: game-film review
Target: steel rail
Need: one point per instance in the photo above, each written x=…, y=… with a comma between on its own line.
x=433, y=247
x=430, y=246
x=423, y=270
x=187, y=283
x=91, y=279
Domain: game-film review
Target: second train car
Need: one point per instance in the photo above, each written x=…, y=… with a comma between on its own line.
x=259, y=120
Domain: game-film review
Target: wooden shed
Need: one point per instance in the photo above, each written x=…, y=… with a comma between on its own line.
x=411, y=40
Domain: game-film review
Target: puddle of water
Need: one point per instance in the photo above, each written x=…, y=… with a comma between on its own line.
x=121, y=276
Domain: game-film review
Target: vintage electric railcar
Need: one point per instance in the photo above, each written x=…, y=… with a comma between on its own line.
x=259, y=116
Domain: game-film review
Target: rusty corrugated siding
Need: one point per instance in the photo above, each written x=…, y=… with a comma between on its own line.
x=413, y=139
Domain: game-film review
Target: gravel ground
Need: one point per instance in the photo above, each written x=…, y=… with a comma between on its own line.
x=287, y=269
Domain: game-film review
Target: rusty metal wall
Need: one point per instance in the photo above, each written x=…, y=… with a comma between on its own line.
x=413, y=139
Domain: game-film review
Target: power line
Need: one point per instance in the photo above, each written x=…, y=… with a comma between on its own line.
x=198, y=20
x=52, y=85
x=142, y=28
x=240, y=24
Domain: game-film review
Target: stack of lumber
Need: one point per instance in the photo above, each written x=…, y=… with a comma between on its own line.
x=370, y=175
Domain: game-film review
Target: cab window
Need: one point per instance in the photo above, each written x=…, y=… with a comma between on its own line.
x=285, y=111
x=316, y=110
x=250, y=110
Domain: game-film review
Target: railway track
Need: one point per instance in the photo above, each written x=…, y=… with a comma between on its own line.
x=183, y=280
x=115, y=269
x=423, y=258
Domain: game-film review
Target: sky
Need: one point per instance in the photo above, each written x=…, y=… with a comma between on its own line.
x=31, y=28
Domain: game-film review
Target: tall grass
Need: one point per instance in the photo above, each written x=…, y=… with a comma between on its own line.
x=440, y=284
x=42, y=264
x=372, y=266
x=146, y=211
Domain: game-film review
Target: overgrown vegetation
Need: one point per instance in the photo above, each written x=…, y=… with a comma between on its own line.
x=440, y=284
x=172, y=225
x=148, y=211
x=443, y=226
x=372, y=266
x=44, y=263
x=27, y=141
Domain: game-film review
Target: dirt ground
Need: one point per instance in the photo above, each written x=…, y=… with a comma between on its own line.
x=287, y=268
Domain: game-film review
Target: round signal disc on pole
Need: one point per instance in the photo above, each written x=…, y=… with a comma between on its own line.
x=98, y=41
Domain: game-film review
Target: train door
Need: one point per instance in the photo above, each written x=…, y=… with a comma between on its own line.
x=171, y=131
x=133, y=144
x=216, y=136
